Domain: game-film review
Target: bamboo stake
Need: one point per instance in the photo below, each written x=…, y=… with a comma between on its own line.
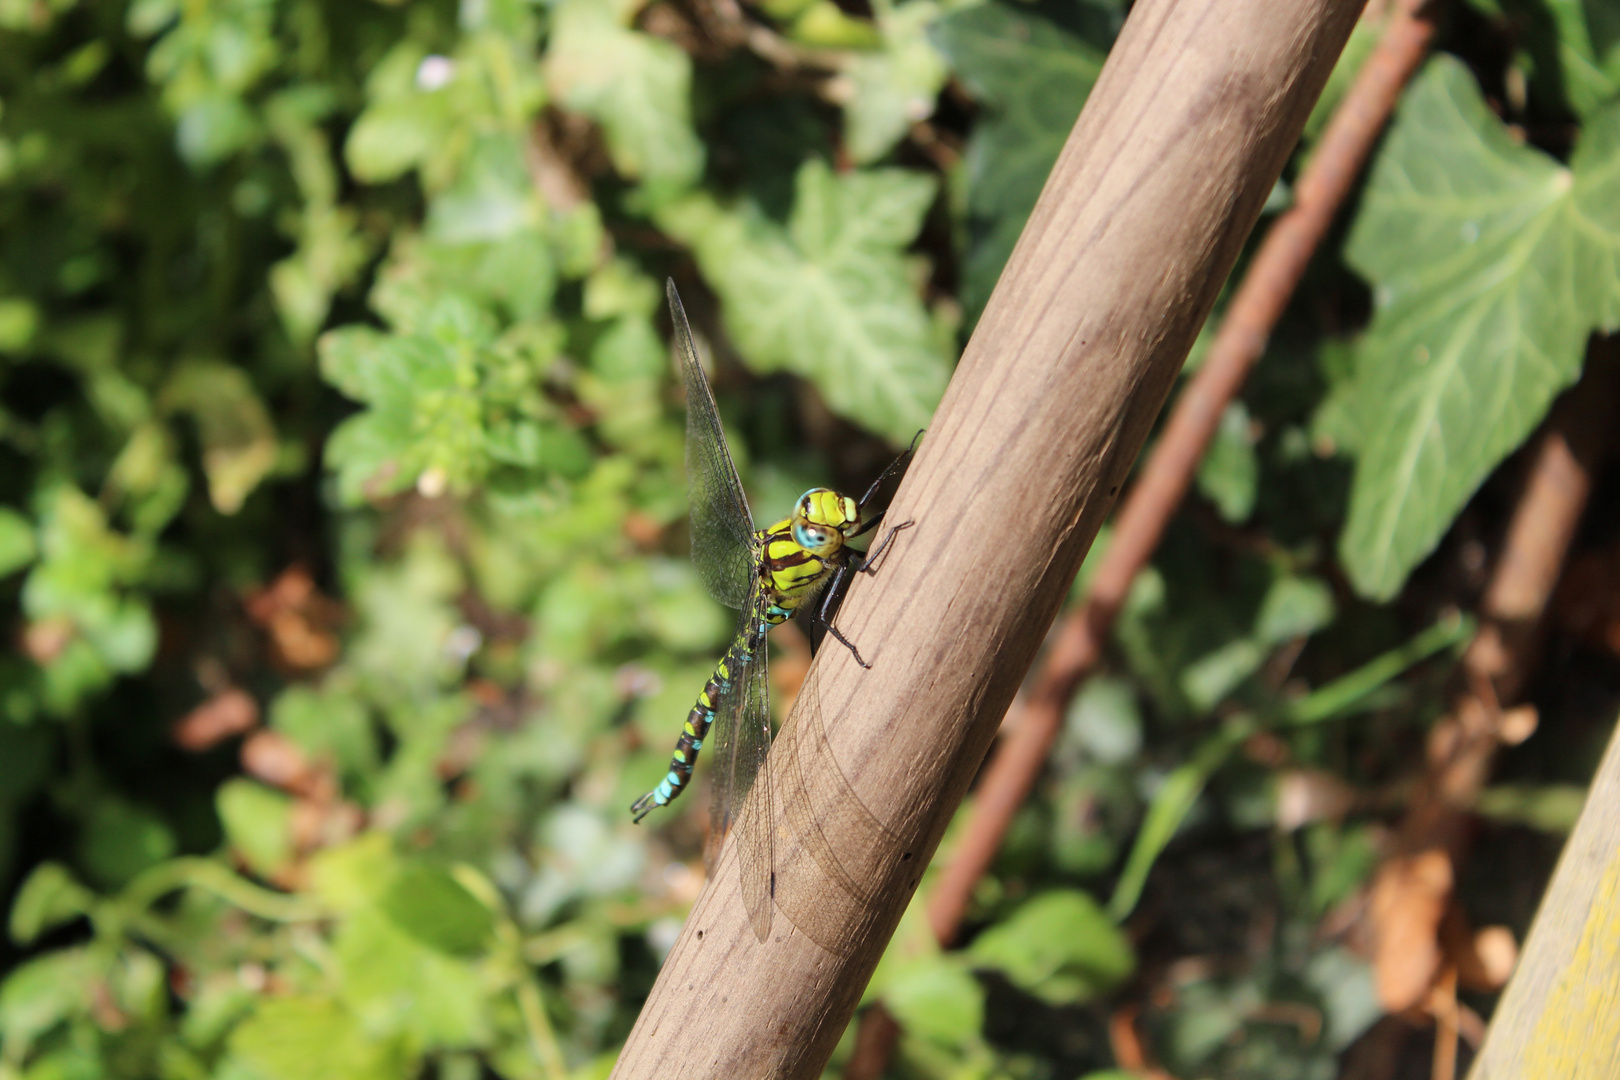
x=1195, y=112
x=1560, y=1014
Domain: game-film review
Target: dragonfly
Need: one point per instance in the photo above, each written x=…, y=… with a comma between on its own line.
x=801, y=564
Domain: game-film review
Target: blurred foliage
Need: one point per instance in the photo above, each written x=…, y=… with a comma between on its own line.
x=343, y=537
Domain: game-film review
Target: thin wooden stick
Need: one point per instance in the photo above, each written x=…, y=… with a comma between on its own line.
x=1188, y=126
x=1154, y=498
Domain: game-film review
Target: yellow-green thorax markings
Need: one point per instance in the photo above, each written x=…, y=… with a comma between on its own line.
x=794, y=558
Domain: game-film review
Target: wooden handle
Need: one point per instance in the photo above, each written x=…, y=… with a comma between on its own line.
x=1188, y=127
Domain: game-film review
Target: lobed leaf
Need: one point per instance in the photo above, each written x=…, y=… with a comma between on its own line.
x=1492, y=263
x=829, y=298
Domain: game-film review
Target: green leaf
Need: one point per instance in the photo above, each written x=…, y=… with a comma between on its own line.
x=1060, y=946
x=17, y=546
x=933, y=997
x=492, y=198
x=1294, y=607
x=1229, y=475
x=426, y=410
x=638, y=87
x=119, y=839
x=829, y=299
x=19, y=319
x=312, y=1038
x=395, y=983
x=42, y=993
x=353, y=875
x=1492, y=263
x=392, y=136
x=1105, y=721
x=1171, y=805
x=258, y=823
x=1552, y=808
x=432, y=906
x=1573, y=47
x=895, y=87
x=77, y=579
x=239, y=441
x=1032, y=79
x=49, y=898
x=330, y=722
x=1209, y=679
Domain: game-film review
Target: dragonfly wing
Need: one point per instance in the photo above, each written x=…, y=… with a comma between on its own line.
x=741, y=742
x=722, y=529
x=823, y=821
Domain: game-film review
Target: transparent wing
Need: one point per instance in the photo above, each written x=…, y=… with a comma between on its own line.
x=839, y=901
x=742, y=739
x=722, y=530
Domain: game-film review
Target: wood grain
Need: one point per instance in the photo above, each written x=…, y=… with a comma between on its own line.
x=1161, y=180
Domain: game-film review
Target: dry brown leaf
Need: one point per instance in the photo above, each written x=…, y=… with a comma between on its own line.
x=230, y=712
x=278, y=761
x=1409, y=900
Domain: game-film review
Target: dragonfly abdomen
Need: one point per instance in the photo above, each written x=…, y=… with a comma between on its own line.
x=698, y=721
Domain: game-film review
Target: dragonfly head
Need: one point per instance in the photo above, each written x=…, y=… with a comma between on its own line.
x=824, y=519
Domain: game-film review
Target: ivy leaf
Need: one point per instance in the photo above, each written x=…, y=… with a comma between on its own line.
x=830, y=298
x=935, y=999
x=1032, y=78
x=638, y=87
x=429, y=904
x=1492, y=263
x=1060, y=946
x=1573, y=47
x=394, y=983
x=894, y=87
x=311, y=1038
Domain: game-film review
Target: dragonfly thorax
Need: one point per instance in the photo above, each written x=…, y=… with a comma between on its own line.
x=823, y=519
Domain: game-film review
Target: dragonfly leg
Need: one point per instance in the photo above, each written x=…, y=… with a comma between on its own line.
x=869, y=563
x=896, y=465
x=831, y=594
x=834, y=589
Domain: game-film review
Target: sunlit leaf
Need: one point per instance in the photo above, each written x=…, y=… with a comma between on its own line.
x=312, y=1038
x=258, y=823
x=396, y=983
x=39, y=994
x=894, y=87
x=830, y=297
x=636, y=86
x=49, y=897
x=1492, y=263
x=432, y=906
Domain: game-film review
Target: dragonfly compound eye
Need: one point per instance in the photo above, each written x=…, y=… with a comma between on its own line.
x=813, y=537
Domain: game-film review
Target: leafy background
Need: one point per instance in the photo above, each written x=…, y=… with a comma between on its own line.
x=343, y=525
